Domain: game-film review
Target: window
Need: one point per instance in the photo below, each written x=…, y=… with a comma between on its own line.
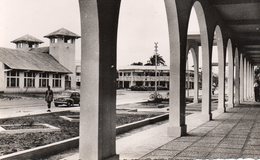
x=29, y=79
x=43, y=80
x=56, y=81
x=54, y=40
x=13, y=79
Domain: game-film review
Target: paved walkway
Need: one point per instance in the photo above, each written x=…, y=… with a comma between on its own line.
x=235, y=134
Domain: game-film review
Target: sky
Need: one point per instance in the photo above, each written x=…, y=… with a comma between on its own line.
x=141, y=23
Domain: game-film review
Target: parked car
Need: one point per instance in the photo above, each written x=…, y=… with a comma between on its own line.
x=68, y=98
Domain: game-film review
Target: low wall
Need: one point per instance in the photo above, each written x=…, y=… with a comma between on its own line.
x=130, y=126
x=43, y=151
x=55, y=148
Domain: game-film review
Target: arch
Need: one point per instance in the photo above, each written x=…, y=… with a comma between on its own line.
x=221, y=68
x=177, y=17
x=99, y=21
x=241, y=75
x=237, y=78
x=229, y=54
x=194, y=52
x=206, y=61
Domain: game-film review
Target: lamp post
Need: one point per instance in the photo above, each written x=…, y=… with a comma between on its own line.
x=156, y=54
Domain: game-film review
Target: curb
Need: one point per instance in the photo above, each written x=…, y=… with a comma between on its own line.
x=57, y=147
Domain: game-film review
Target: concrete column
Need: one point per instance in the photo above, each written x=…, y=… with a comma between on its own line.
x=37, y=78
x=194, y=48
x=21, y=81
x=245, y=79
x=221, y=70
x=178, y=41
x=241, y=75
x=132, y=80
x=99, y=21
x=251, y=79
x=237, y=80
x=230, y=78
x=249, y=84
x=196, y=76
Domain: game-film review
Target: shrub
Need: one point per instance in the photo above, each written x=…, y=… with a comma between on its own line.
x=146, y=88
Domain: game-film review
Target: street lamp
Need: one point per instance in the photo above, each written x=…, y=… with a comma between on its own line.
x=156, y=96
x=156, y=54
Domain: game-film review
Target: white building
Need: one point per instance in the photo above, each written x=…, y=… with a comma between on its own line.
x=30, y=69
x=135, y=75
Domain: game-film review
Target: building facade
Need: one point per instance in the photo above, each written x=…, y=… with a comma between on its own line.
x=145, y=76
x=30, y=68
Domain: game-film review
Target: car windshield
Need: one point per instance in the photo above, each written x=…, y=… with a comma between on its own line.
x=66, y=93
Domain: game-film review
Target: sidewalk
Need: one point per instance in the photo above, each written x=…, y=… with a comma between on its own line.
x=235, y=134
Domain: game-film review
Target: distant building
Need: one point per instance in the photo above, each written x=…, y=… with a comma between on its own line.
x=135, y=75
x=30, y=68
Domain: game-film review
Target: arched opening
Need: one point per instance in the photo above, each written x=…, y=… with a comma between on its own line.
x=229, y=74
x=191, y=76
x=142, y=34
x=197, y=28
x=136, y=52
x=237, y=77
x=218, y=71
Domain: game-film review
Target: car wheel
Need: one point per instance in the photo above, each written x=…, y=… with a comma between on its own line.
x=69, y=104
x=56, y=105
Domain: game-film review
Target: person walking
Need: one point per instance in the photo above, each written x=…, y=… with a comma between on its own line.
x=256, y=90
x=49, y=98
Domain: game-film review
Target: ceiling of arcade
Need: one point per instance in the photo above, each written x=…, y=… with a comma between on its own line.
x=243, y=18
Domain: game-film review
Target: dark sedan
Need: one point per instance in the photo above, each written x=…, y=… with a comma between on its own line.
x=68, y=98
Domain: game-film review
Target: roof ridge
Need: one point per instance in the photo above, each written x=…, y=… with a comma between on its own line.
x=27, y=37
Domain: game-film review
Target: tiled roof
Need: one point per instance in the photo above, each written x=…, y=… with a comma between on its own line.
x=27, y=38
x=40, y=49
x=29, y=60
x=62, y=32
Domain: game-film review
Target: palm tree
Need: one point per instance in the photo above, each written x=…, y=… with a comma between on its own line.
x=151, y=62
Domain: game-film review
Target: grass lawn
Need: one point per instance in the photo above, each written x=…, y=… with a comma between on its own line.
x=10, y=143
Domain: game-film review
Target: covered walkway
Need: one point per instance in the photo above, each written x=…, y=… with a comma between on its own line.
x=234, y=134
x=233, y=24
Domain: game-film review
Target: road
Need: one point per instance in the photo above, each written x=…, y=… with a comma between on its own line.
x=31, y=105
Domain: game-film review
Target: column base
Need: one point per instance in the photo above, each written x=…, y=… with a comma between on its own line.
x=230, y=105
x=115, y=157
x=195, y=101
x=177, y=131
x=206, y=117
x=222, y=110
x=237, y=104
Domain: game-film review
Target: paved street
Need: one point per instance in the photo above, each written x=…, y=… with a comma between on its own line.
x=33, y=105
x=28, y=105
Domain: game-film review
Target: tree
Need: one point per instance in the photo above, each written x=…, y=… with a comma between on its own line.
x=137, y=64
x=151, y=62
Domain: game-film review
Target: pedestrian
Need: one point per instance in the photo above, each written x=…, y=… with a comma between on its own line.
x=49, y=98
x=256, y=89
